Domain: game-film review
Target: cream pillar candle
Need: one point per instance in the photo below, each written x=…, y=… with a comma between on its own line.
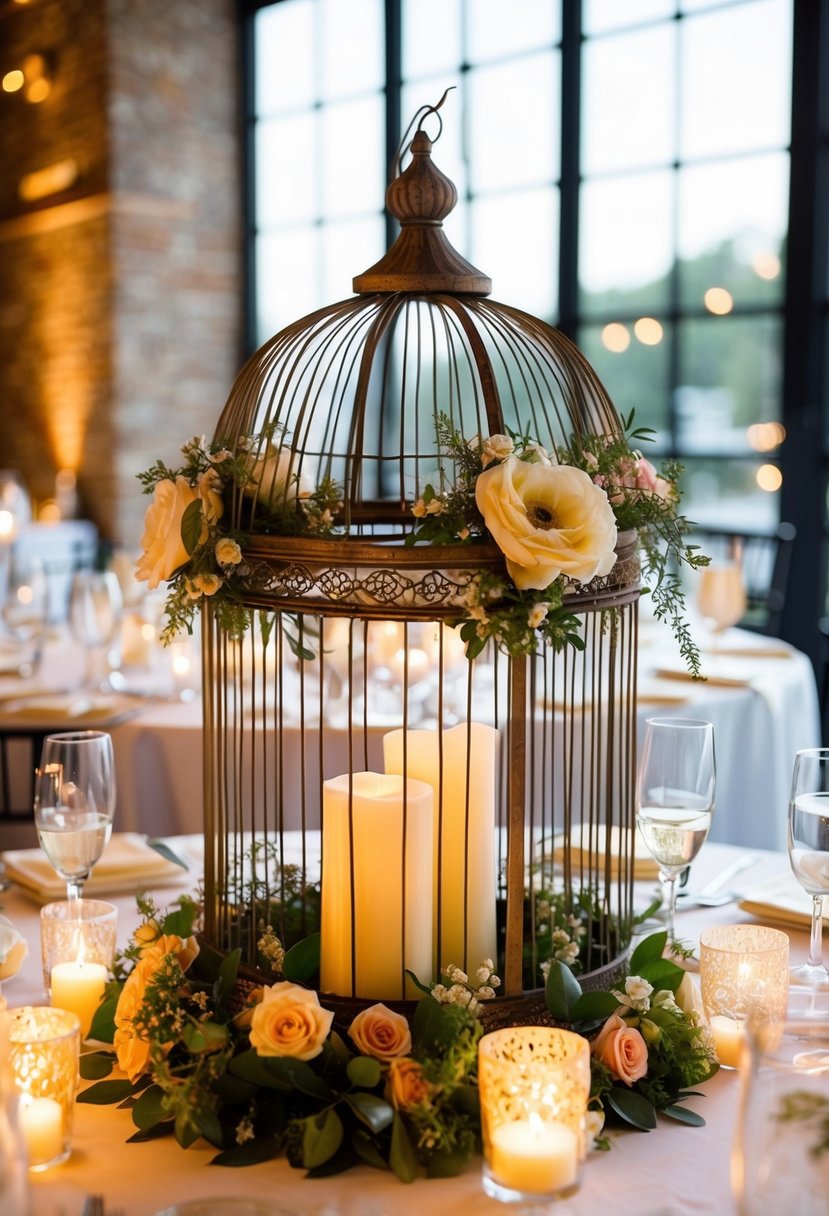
x=363, y=822
x=729, y=1037
x=533, y=1156
x=465, y=818
x=78, y=987
x=41, y=1124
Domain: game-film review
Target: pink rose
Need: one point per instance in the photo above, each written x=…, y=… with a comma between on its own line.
x=622, y=1049
x=381, y=1033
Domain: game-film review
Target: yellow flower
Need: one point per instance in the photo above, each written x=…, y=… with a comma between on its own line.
x=381, y=1033
x=407, y=1085
x=289, y=1021
x=208, y=584
x=547, y=520
x=13, y=949
x=131, y=1048
x=228, y=552
x=163, y=547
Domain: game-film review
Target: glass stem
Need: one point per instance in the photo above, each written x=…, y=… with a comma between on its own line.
x=669, y=887
x=74, y=892
x=816, y=939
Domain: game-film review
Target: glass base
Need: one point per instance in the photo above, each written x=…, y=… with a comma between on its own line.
x=807, y=976
x=507, y=1194
x=39, y=1166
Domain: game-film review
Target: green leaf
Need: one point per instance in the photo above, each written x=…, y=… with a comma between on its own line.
x=191, y=525
x=338, y=1047
x=366, y=1149
x=207, y=1122
x=152, y=1133
x=321, y=1137
x=103, y=1021
x=683, y=1115
x=447, y=1165
x=105, y=1092
x=96, y=1064
x=302, y=961
x=403, y=1158
x=561, y=991
x=631, y=1107
x=376, y=1113
x=233, y=1091
x=180, y=920
x=423, y=987
x=648, y=949
x=662, y=974
x=256, y=1069
x=204, y=1036
x=148, y=1110
x=185, y=1130
x=164, y=849
x=430, y=1027
x=299, y=1075
x=227, y=975
x=250, y=1153
x=364, y=1072
x=592, y=1005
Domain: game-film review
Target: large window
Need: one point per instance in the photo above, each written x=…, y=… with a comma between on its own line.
x=623, y=171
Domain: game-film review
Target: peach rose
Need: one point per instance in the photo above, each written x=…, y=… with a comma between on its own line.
x=289, y=1021
x=407, y=1085
x=163, y=547
x=622, y=1049
x=547, y=520
x=381, y=1033
x=133, y=1051
x=13, y=949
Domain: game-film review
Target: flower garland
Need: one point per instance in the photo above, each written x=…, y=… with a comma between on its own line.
x=555, y=516
x=260, y=1072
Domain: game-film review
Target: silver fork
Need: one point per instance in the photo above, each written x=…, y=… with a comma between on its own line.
x=94, y=1205
x=712, y=894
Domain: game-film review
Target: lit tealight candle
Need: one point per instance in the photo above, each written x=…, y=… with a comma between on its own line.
x=79, y=987
x=534, y=1157
x=41, y=1123
x=729, y=1036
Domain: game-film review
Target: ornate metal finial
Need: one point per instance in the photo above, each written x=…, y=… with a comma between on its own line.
x=420, y=197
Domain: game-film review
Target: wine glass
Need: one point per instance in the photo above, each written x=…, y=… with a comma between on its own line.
x=721, y=596
x=95, y=605
x=74, y=803
x=675, y=796
x=26, y=610
x=808, y=840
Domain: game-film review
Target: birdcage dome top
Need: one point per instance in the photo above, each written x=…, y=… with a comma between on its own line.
x=351, y=394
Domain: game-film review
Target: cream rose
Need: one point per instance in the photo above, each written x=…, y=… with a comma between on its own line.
x=547, y=520
x=13, y=949
x=289, y=1021
x=228, y=552
x=381, y=1033
x=207, y=584
x=163, y=547
x=407, y=1085
x=274, y=477
x=622, y=1049
x=496, y=447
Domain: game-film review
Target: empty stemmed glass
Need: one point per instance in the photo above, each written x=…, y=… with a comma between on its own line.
x=675, y=796
x=721, y=597
x=74, y=803
x=808, y=840
x=95, y=605
x=26, y=610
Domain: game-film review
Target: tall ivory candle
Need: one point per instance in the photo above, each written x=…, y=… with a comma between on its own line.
x=465, y=819
x=363, y=821
x=78, y=987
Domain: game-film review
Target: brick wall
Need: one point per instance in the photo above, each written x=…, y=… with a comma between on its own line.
x=120, y=320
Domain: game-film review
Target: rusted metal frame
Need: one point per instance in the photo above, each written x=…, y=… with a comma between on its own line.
x=352, y=478
x=489, y=387
x=460, y=355
x=514, y=942
x=209, y=770
x=404, y=843
x=438, y=813
x=524, y=355
x=529, y=816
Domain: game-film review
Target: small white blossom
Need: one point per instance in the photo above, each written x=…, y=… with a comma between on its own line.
x=636, y=994
x=456, y=975
x=496, y=447
x=244, y=1130
x=545, y=970
x=419, y=509
x=536, y=615
x=568, y=954
x=220, y=457
x=485, y=993
x=435, y=507
x=593, y=1125
x=560, y=937
x=664, y=999
x=534, y=453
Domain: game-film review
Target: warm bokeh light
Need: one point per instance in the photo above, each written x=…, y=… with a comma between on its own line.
x=38, y=90
x=49, y=512
x=51, y=180
x=718, y=301
x=25, y=595
x=13, y=81
x=769, y=478
x=615, y=337
x=765, y=436
x=181, y=664
x=766, y=264
x=7, y=524
x=648, y=331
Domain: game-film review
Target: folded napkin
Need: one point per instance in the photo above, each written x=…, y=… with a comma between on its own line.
x=733, y=675
x=128, y=863
x=584, y=836
x=782, y=899
x=749, y=651
x=61, y=705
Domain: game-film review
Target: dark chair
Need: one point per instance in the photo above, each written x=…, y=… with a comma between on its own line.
x=765, y=559
x=20, y=749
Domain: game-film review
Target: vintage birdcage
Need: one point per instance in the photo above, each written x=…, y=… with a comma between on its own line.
x=441, y=810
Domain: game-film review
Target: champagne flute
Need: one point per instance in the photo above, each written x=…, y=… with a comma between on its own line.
x=675, y=796
x=95, y=605
x=721, y=596
x=26, y=610
x=808, y=841
x=74, y=803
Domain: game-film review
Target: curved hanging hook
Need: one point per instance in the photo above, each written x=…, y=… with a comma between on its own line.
x=420, y=117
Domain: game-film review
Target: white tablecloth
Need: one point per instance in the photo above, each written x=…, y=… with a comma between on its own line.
x=673, y=1171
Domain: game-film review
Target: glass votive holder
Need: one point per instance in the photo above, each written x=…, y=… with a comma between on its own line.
x=534, y=1083
x=77, y=942
x=744, y=980
x=44, y=1049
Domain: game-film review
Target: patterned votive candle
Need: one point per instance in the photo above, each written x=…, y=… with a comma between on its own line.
x=534, y=1083
x=44, y=1047
x=744, y=980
